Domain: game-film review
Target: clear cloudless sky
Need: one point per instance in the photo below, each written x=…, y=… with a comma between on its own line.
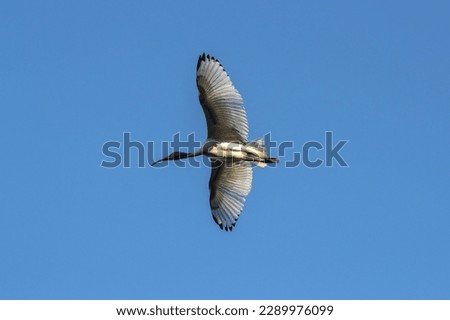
x=76, y=74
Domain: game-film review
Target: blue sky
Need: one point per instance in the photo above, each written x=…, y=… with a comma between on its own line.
x=77, y=74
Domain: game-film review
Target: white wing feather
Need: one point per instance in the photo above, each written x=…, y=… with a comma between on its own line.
x=221, y=102
x=230, y=184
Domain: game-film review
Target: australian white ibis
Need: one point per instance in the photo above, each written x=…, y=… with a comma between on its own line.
x=232, y=156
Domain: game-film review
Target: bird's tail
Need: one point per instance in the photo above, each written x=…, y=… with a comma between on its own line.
x=271, y=160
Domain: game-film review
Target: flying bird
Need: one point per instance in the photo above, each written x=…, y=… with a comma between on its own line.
x=232, y=156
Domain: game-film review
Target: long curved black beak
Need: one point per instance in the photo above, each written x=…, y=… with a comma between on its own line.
x=156, y=162
x=169, y=157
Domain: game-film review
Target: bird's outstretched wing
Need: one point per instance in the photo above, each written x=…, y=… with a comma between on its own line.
x=221, y=102
x=230, y=183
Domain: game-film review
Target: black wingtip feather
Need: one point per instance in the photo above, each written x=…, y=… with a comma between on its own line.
x=200, y=59
x=220, y=224
x=204, y=57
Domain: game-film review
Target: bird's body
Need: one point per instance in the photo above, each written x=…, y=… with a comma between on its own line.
x=232, y=156
x=238, y=151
